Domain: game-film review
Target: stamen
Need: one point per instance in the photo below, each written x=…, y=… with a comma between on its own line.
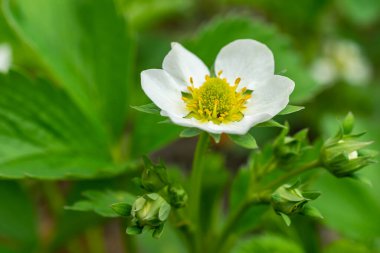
x=220, y=73
x=216, y=100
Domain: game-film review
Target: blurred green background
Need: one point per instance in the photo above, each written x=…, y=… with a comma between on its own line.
x=65, y=115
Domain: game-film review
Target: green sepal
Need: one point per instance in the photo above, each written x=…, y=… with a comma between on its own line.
x=215, y=137
x=148, y=108
x=270, y=123
x=248, y=92
x=122, y=209
x=311, y=195
x=348, y=123
x=362, y=179
x=245, y=141
x=164, y=212
x=186, y=95
x=154, y=176
x=134, y=230
x=286, y=219
x=312, y=212
x=291, y=109
x=158, y=231
x=190, y=132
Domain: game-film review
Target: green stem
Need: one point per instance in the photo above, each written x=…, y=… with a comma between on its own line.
x=234, y=217
x=260, y=197
x=196, y=182
x=283, y=179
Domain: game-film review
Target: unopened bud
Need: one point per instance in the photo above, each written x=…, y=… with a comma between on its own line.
x=289, y=200
x=149, y=212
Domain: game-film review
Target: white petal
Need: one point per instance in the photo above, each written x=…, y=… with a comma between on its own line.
x=182, y=64
x=271, y=96
x=247, y=59
x=5, y=58
x=161, y=88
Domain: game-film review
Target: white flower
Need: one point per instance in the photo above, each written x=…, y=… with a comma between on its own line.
x=5, y=58
x=342, y=60
x=323, y=71
x=243, y=92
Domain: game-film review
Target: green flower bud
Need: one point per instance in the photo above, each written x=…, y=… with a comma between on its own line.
x=177, y=196
x=149, y=212
x=154, y=177
x=287, y=148
x=288, y=200
x=344, y=154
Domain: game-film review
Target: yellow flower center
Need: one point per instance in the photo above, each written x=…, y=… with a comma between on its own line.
x=215, y=100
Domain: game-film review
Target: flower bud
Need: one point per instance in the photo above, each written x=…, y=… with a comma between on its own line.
x=288, y=200
x=154, y=177
x=287, y=148
x=344, y=154
x=177, y=196
x=149, y=212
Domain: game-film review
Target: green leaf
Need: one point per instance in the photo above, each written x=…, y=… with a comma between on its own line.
x=101, y=202
x=362, y=12
x=122, y=209
x=291, y=109
x=148, y=108
x=221, y=31
x=44, y=135
x=149, y=136
x=18, y=226
x=190, y=132
x=86, y=49
x=352, y=201
x=270, y=123
x=268, y=243
x=245, y=141
x=239, y=190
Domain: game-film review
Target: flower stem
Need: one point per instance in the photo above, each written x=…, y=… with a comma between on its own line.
x=259, y=198
x=196, y=180
x=233, y=218
x=281, y=180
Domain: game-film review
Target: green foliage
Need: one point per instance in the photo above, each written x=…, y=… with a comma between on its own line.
x=347, y=246
x=101, y=202
x=47, y=136
x=363, y=12
x=88, y=56
x=18, y=226
x=268, y=244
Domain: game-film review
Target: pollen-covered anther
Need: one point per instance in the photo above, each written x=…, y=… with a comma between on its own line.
x=216, y=100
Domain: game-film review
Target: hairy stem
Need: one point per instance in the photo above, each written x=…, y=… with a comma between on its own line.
x=196, y=182
x=281, y=180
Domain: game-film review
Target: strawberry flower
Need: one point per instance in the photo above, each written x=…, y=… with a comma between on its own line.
x=243, y=91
